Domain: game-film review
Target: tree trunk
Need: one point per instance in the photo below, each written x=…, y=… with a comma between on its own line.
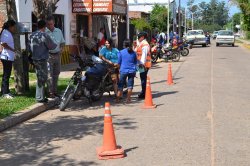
x=20, y=75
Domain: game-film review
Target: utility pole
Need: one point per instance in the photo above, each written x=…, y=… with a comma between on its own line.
x=179, y=19
x=168, y=22
x=185, y=21
x=192, y=21
x=128, y=33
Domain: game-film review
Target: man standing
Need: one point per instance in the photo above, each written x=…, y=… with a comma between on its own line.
x=54, y=62
x=40, y=44
x=144, y=61
x=101, y=38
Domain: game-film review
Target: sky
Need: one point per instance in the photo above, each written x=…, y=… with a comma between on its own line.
x=232, y=9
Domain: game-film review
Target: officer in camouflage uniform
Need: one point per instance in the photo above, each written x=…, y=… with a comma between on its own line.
x=40, y=44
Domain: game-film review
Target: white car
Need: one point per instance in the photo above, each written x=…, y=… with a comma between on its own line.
x=196, y=37
x=225, y=37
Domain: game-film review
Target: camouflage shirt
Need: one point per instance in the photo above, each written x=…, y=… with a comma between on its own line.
x=40, y=44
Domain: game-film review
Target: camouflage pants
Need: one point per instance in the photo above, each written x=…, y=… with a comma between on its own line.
x=54, y=69
x=42, y=76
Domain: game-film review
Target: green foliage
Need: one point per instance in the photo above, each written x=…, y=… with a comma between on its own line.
x=209, y=16
x=159, y=17
x=209, y=28
x=248, y=34
x=244, y=5
x=141, y=24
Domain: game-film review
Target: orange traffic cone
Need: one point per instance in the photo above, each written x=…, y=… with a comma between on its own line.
x=109, y=149
x=148, y=103
x=170, y=78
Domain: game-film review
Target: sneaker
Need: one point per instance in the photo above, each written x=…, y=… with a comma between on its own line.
x=8, y=96
x=43, y=101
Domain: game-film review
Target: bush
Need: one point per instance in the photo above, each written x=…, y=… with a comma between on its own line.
x=248, y=35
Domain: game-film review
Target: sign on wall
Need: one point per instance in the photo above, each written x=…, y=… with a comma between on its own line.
x=120, y=6
x=100, y=6
x=82, y=6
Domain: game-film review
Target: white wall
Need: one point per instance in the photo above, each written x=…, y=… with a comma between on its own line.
x=24, y=14
x=65, y=8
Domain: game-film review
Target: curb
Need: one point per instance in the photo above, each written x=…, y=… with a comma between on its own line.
x=26, y=114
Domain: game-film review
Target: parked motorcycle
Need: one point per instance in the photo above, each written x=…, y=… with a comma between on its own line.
x=96, y=80
x=166, y=53
x=183, y=48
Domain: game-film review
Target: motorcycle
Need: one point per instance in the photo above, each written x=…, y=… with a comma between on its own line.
x=183, y=48
x=208, y=39
x=92, y=85
x=166, y=53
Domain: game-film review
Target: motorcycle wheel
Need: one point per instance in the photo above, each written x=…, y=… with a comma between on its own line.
x=185, y=52
x=96, y=95
x=154, y=57
x=176, y=56
x=68, y=95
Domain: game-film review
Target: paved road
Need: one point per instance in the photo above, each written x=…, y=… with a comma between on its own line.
x=202, y=120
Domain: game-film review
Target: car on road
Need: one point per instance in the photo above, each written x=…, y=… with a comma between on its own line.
x=196, y=37
x=214, y=35
x=225, y=37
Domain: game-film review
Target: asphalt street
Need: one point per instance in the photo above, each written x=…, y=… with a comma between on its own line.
x=201, y=120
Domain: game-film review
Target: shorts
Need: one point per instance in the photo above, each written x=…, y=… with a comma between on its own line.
x=123, y=78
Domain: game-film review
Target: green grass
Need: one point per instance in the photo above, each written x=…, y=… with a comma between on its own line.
x=20, y=102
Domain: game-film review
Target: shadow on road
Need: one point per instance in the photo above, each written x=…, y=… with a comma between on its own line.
x=35, y=142
x=130, y=149
x=156, y=94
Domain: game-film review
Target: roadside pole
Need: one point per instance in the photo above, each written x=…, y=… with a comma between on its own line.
x=128, y=33
x=168, y=22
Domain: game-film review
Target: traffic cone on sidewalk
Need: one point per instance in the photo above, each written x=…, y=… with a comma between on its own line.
x=170, y=77
x=109, y=149
x=148, y=103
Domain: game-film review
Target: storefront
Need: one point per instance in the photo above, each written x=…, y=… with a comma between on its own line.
x=100, y=14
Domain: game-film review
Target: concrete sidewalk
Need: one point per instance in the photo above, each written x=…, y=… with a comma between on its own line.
x=34, y=110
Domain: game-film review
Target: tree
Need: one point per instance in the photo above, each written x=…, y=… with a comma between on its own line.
x=210, y=16
x=44, y=8
x=141, y=24
x=159, y=17
x=244, y=5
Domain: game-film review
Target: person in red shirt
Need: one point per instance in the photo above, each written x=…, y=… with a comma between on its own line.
x=101, y=38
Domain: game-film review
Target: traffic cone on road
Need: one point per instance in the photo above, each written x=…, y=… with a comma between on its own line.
x=109, y=149
x=170, y=77
x=148, y=103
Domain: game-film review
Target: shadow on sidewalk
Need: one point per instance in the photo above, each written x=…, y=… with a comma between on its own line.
x=37, y=142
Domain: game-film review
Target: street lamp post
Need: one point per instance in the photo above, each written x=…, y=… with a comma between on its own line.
x=168, y=23
x=179, y=18
x=192, y=21
x=128, y=33
x=185, y=21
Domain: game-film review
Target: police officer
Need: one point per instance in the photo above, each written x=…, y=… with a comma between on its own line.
x=144, y=60
x=40, y=44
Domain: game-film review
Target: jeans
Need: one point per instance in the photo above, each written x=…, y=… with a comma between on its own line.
x=123, y=78
x=143, y=77
x=7, y=67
